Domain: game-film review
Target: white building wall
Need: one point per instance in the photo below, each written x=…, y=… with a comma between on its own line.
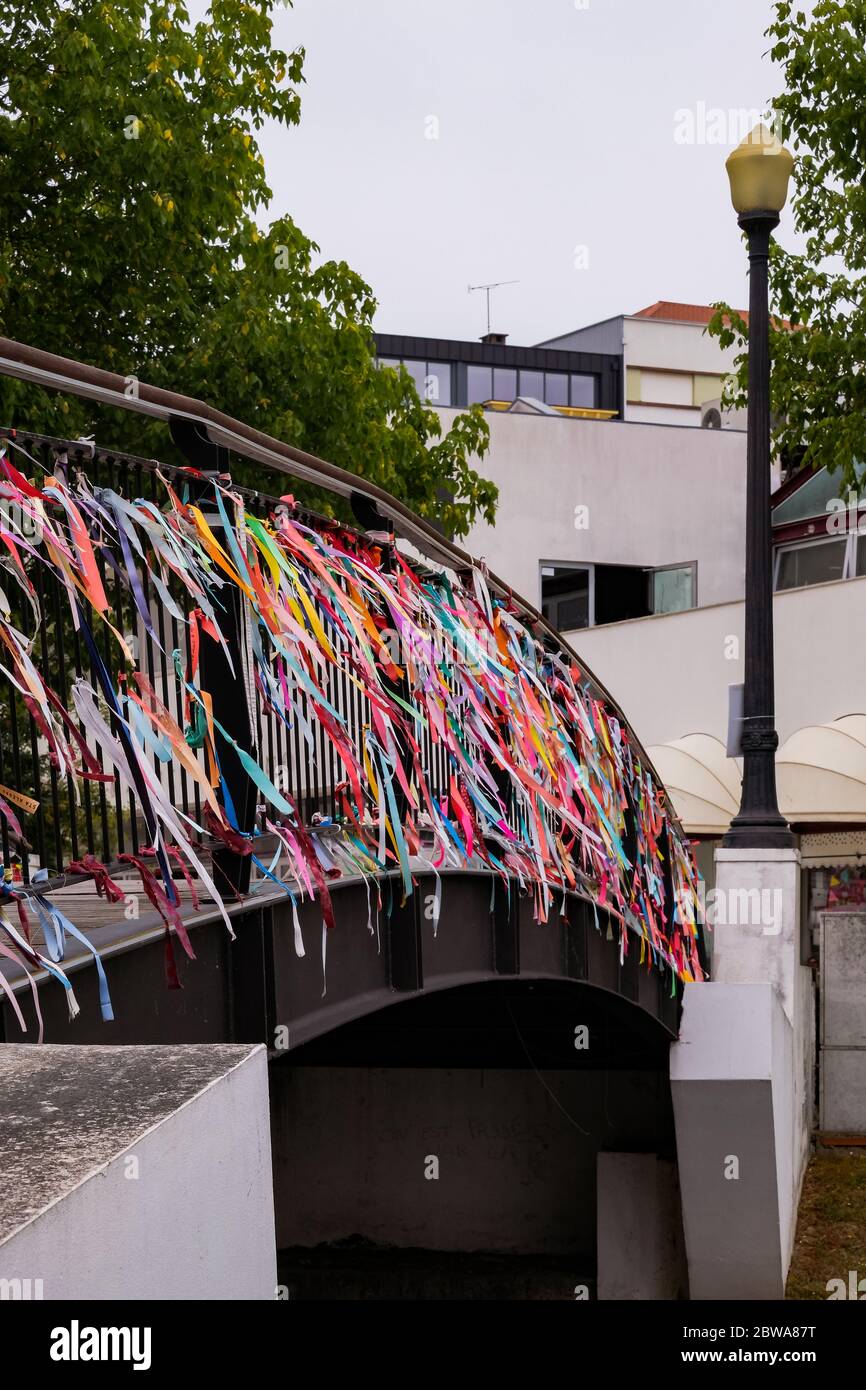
x=654, y=495
x=685, y=347
x=661, y=415
x=740, y=1140
x=670, y=364
x=671, y=673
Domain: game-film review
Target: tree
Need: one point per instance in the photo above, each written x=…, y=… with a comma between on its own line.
x=818, y=381
x=132, y=236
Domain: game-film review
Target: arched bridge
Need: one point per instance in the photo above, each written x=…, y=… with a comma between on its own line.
x=388, y=777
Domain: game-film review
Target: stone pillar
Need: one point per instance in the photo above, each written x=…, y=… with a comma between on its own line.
x=640, y=1237
x=756, y=931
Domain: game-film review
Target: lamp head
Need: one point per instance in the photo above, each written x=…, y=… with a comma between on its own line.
x=759, y=170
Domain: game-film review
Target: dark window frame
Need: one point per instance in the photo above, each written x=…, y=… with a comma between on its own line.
x=591, y=566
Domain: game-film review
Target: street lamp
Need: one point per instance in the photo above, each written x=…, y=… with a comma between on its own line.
x=759, y=170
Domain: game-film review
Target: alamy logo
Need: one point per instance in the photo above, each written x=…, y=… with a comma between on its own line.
x=24, y=522
x=76, y=1343
x=854, y=1289
x=20, y=1290
x=743, y=907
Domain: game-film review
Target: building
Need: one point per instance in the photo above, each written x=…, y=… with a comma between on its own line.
x=820, y=583
x=657, y=366
x=673, y=371
x=627, y=531
x=612, y=399
x=599, y=522
x=449, y=372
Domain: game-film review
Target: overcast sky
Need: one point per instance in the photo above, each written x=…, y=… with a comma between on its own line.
x=560, y=159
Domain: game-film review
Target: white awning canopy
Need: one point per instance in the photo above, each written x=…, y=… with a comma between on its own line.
x=820, y=774
x=704, y=783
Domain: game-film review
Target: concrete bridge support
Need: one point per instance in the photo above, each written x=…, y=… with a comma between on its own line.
x=468, y=1123
x=733, y=1087
x=742, y=1082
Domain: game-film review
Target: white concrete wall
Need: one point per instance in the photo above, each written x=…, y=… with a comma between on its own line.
x=685, y=347
x=733, y=1075
x=197, y=1222
x=820, y=662
x=656, y=495
x=768, y=951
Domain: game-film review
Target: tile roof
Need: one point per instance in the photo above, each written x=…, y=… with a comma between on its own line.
x=681, y=313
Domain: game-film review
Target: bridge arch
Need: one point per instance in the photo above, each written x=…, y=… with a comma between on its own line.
x=452, y=1138
x=484, y=933
x=500, y=747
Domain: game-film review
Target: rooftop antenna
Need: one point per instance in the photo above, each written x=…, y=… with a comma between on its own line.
x=487, y=288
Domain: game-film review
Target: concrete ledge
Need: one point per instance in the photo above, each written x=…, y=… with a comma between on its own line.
x=136, y=1173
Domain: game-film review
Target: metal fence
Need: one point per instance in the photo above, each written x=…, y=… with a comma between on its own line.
x=78, y=817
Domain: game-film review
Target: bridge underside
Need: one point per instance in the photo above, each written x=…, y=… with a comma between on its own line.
x=449, y=1146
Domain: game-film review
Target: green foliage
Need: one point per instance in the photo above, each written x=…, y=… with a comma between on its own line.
x=133, y=237
x=818, y=380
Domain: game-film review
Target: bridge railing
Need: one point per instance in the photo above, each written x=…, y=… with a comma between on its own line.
x=103, y=818
x=74, y=820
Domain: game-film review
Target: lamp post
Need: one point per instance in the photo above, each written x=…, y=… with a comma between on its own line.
x=759, y=170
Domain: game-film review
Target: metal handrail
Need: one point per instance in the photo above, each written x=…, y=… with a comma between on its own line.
x=64, y=374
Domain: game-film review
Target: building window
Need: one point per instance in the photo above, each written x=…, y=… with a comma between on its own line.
x=504, y=383
x=556, y=388
x=479, y=385
x=565, y=596
x=673, y=590
x=666, y=388
x=435, y=383
x=578, y=596
x=432, y=379
x=583, y=391
x=532, y=384
x=418, y=372
x=438, y=383
x=814, y=562
x=621, y=592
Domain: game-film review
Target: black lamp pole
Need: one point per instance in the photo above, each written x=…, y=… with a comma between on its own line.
x=759, y=824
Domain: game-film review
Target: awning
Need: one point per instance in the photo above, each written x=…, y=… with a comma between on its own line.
x=704, y=783
x=820, y=775
x=821, y=772
x=834, y=849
